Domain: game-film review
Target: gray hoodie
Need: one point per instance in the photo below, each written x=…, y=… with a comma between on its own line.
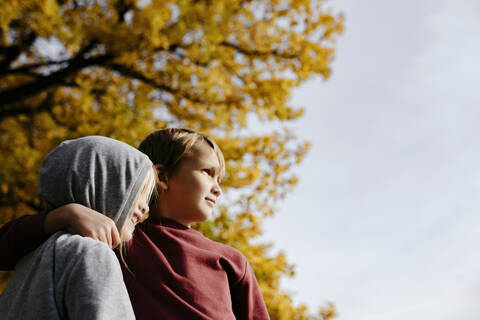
x=69, y=276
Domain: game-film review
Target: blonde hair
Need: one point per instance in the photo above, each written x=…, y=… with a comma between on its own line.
x=170, y=146
x=146, y=193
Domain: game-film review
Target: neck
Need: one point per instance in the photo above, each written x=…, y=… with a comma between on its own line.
x=160, y=210
x=162, y=214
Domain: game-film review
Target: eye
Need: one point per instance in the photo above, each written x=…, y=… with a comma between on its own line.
x=208, y=171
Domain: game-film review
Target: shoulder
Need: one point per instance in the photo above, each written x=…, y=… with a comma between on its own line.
x=75, y=241
x=70, y=245
x=223, y=249
x=231, y=259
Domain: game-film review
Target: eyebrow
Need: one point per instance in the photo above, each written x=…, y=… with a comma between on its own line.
x=206, y=163
x=212, y=166
x=216, y=168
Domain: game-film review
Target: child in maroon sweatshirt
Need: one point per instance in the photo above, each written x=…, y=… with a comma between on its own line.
x=171, y=270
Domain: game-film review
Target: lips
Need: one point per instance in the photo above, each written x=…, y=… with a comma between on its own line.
x=211, y=201
x=136, y=217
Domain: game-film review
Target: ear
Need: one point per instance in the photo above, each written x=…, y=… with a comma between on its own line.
x=162, y=181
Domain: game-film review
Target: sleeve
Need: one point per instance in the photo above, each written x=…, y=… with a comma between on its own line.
x=89, y=281
x=247, y=300
x=20, y=236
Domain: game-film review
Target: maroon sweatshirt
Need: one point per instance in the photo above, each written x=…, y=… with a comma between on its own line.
x=175, y=272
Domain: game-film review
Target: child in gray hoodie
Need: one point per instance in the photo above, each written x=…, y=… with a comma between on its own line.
x=74, y=277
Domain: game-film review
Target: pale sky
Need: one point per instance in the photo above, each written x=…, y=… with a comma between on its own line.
x=385, y=221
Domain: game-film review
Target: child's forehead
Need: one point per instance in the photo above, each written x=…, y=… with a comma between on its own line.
x=203, y=153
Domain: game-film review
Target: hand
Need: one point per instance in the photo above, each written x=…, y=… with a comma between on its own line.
x=78, y=219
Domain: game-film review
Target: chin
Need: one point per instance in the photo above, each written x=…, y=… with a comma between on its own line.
x=127, y=233
x=206, y=216
x=202, y=217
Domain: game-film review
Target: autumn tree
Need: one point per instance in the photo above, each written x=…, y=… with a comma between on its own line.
x=124, y=68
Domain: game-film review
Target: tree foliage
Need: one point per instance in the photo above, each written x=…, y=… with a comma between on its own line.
x=125, y=68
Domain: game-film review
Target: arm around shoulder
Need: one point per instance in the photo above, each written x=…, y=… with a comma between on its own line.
x=20, y=236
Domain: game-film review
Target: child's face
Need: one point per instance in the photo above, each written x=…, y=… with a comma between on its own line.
x=193, y=189
x=139, y=211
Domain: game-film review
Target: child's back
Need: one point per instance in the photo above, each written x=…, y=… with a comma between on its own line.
x=189, y=276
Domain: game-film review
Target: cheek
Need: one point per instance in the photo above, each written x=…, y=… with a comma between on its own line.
x=127, y=236
x=189, y=184
x=127, y=230
x=187, y=192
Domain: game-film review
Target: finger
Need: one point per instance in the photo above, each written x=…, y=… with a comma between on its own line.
x=115, y=237
x=108, y=238
x=102, y=235
x=109, y=242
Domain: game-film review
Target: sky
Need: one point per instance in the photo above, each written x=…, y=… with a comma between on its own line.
x=385, y=220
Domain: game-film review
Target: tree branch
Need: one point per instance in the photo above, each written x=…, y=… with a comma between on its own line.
x=249, y=52
x=171, y=48
x=56, y=78
x=12, y=52
x=122, y=8
x=130, y=73
x=46, y=105
x=27, y=68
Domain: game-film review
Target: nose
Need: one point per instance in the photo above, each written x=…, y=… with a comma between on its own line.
x=137, y=216
x=140, y=212
x=143, y=207
x=216, y=190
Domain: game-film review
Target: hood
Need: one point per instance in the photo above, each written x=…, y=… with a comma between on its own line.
x=98, y=172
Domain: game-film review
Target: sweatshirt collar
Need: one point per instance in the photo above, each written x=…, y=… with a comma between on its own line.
x=166, y=222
